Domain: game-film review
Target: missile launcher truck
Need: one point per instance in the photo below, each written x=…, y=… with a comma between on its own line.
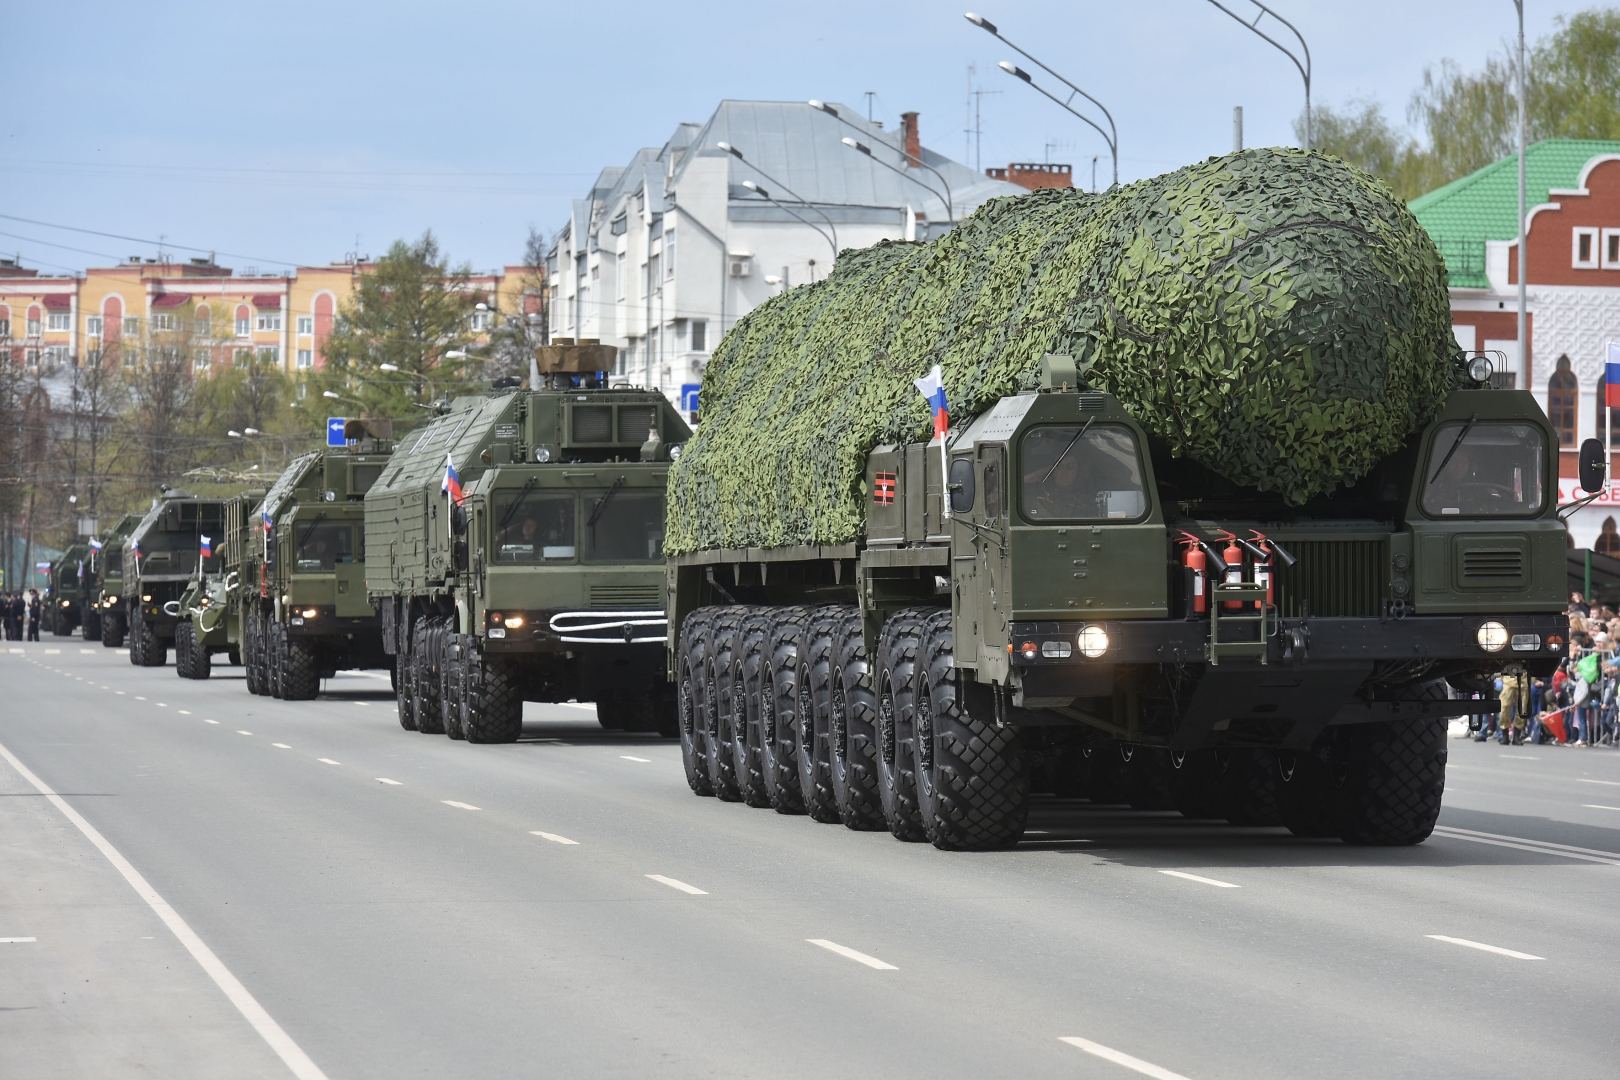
x=305, y=609
x=543, y=584
x=211, y=608
x=1221, y=521
x=160, y=557
x=65, y=596
x=104, y=619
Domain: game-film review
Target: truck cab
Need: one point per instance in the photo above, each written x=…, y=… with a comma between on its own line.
x=160, y=558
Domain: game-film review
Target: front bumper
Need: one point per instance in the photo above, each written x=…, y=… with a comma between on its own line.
x=567, y=631
x=326, y=623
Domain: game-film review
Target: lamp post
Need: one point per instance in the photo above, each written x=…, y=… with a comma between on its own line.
x=1523, y=329
x=1304, y=65
x=738, y=154
x=949, y=199
x=766, y=195
x=1111, y=136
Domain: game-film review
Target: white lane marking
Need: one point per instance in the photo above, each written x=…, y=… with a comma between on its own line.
x=643, y=760
x=52, y=652
x=553, y=837
x=362, y=704
x=1107, y=1053
x=858, y=957
x=120, y=693
x=239, y=732
x=87, y=652
x=1541, y=847
x=681, y=885
x=123, y=652
x=1483, y=947
x=328, y=761
x=1203, y=880
x=16, y=940
x=277, y=745
x=1610, y=783
x=185, y=712
x=163, y=704
x=290, y=1053
x=210, y=721
x=1520, y=757
x=385, y=780
x=16, y=650
x=566, y=704
x=458, y=805
x=139, y=698
x=1595, y=806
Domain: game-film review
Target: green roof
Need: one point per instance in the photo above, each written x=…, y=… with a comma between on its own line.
x=1484, y=205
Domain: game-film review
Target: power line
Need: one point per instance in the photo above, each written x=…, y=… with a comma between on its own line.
x=151, y=243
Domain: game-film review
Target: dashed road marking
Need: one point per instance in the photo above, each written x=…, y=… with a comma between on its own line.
x=1484, y=947
x=553, y=837
x=1107, y=1053
x=846, y=951
x=1202, y=880
x=240, y=732
x=277, y=745
x=1519, y=843
x=458, y=805
x=362, y=704
x=16, y=940
x=139, y=698
x=1596, y=806
x=120, y=693
x=1520, y=757
x=210, y=721
x=185, y=712
x=385, y=780
x=681, y=885
x=1584, y=780
x=328, y=761
x=87, y=652
x=52, y=652
x=162, y=704
x=643, y=760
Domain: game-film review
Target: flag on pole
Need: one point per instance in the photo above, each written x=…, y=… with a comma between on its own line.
x=1611, y=376
x=207, y=548
x=95, y=545
x=932, y=387
x=452, y=482
x=264, y=519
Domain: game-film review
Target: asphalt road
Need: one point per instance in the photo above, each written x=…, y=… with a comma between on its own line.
x=402, y=905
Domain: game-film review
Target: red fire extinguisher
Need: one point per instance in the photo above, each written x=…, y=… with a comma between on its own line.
x=1194, y=564
x=1233, y=557
x=1262, y=566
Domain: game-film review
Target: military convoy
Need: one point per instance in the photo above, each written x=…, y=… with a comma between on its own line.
x=515, y=553
x=65, y=596
x=105, y=619
x=210, y=611
x=160, y=557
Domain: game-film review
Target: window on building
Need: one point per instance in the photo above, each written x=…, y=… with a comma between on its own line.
x=200, y=360
x=242, y=357
x=669, y=254
x=306, y=358
x=306, y=324
x=31, y=358
x=56, y=355
x=92, y=325
x=59, y=320
x=163, y=322
x=1563, y=397
x=5, y=328
x=203, y=327
x=132, y=326
x=700, y=335
x=33, y=328
x=481, y=321
x=1585, y=245
x=619, y=274
x=92, y=357
x=270, y=354
x=1611, y=249
x=244, y=327
x=268, y=320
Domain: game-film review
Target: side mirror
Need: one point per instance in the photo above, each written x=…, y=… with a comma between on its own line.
x=458, y=520
x=1593, y=466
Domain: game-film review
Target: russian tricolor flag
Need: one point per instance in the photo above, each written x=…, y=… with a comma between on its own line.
x=95, y=545
x=932, y=387
x=207, y=548
x=1611, y=376
x=452, y=482
x=264, y=519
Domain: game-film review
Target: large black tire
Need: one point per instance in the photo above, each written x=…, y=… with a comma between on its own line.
x=972, y=780
x=425, y=682
x=1390, y=779
x=1305, y=791
x=899, y=656
x=90, y=625
x=112, y=631
x=813, y=714
x=1147, y=779
x=404, y=689
x=722, y=710
x=136, y=643
x=154, y=651
x=852, y=728
x=182, y=649
x=747, y=751
x=492, y=709
x=1248, y=785
x=693, y=659
x=300, y=669
x=452, y=687
x=61, y=625
x=253, y=650
x=202, y=665
x=778, y=755
x=233, y=657
x=1195, y=784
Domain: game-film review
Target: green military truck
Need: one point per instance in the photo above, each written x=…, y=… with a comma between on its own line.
x=65, y=596
x=305, y=609
x=544, y=583
x=210, y=610
x=1221, y=520
x=161, y=556
x=105, y=619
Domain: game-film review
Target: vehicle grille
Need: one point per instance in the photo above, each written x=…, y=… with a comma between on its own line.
x=1333, y=578
x=1493, y=566
x=634, y=423
x=625, y=596
x=593, y=423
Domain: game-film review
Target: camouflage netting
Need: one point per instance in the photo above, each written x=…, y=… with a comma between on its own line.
x=1275, y=315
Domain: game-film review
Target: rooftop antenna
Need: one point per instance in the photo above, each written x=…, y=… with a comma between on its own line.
x=870, y=95
x=975, y=129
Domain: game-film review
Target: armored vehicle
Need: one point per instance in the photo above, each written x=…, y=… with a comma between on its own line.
x=210, y=610
x=105, y=620
x=542, y=582
x=65, y=596
x=303, y=586
x=161, y=556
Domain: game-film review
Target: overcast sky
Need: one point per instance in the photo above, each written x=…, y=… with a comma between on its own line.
x=299, y=132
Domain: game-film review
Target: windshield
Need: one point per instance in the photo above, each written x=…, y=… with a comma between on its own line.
x=537, y=528
x=629, y=529
x=1068, y=476
x=115, y=561
x=1494, y=471
x=322, y=546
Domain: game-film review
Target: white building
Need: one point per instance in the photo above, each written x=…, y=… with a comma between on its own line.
x=664, y=255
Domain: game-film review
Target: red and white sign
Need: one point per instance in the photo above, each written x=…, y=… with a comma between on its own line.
x=1570, y=491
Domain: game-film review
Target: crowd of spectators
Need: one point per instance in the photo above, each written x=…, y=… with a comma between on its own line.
x=1577, y=706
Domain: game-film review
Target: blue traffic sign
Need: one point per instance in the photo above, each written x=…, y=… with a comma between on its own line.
x=334, y=431
x=689, y=399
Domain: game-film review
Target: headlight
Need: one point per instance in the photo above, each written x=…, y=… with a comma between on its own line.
x=1526, y=642
x=513, y=622
x=497, y=632
x=542, y=454
x=1093, y=641
x=1492, y=636
x=310, y=613
x=146, y=598
x=1479, y=369
x=67, y=603
x=1057, y=650
x=675, y=452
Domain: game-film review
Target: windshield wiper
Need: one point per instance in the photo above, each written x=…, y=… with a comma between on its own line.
x=1066, y=449
x=311, y=530
x=511, y=511
x=602, y=503
x=1461, y=435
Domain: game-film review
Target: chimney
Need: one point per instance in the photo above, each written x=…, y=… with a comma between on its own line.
x=908, y=125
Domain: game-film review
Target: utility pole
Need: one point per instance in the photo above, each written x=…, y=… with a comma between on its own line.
x=1524, y=339
x=1237, y=128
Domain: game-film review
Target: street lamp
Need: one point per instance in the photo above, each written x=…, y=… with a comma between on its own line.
x=1304, y=65
x=762, y=193
x=738, y=154
x=387, y=367
x=1111, y=136
x=867, y=150
x=950, y=201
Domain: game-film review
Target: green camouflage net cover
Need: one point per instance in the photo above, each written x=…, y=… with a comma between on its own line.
x=1277, y=316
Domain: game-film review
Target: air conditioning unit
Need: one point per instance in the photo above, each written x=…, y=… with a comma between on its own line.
x=741, y=265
